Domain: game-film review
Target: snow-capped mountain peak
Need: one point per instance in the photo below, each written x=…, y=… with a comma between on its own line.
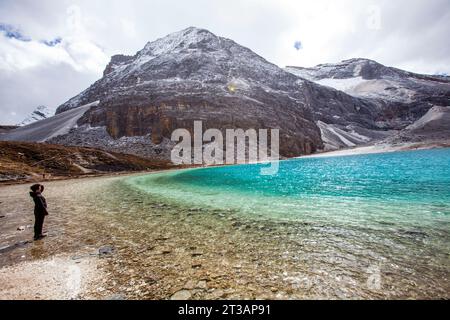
x=189, y=38
x=40, y=113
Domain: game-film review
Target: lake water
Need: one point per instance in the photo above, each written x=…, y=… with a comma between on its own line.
x=383, y=215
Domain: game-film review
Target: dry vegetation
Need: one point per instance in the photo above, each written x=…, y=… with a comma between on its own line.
x=28, y=161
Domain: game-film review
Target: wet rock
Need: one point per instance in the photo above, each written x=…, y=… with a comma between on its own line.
x=105, y=251
x=413, y=233
x=181, y=295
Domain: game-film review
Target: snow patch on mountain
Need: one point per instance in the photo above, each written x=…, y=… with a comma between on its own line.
x=346, y=85
x=40, y=113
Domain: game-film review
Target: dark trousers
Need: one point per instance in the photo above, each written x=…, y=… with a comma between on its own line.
x=38, y=223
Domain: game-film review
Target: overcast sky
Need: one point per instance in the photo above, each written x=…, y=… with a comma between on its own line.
x=50, y=50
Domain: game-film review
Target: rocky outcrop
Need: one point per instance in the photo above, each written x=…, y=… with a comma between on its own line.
x=433, y=127
x=116, y=61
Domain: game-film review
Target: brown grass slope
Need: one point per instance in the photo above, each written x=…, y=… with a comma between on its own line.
x=28, y=161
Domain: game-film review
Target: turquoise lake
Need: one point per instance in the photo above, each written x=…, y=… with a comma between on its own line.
x=414, y=185
x=350, y=213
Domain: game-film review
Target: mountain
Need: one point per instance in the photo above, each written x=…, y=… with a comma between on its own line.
x=406, y=95
x=399, y=97
x=195, y=75
x=40, y=113
x=368, y=79
x=5, y=129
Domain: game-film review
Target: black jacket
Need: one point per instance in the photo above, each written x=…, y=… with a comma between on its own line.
x=40, y=205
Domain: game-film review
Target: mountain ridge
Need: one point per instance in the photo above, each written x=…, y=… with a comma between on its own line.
x=193, y=75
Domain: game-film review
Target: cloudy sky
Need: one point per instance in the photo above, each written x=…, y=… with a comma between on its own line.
x=50, y=50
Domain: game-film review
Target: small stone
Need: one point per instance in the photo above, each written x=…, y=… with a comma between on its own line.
x=196, y=266
x=202, y=285
x=189, y=285
x=21, y=228
x=181, y=295
x=2, y=217
x=218, y=294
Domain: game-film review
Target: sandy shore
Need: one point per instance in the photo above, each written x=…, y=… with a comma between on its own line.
x=58, y=278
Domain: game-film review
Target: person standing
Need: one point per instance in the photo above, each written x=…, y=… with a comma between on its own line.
x=40, y=210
